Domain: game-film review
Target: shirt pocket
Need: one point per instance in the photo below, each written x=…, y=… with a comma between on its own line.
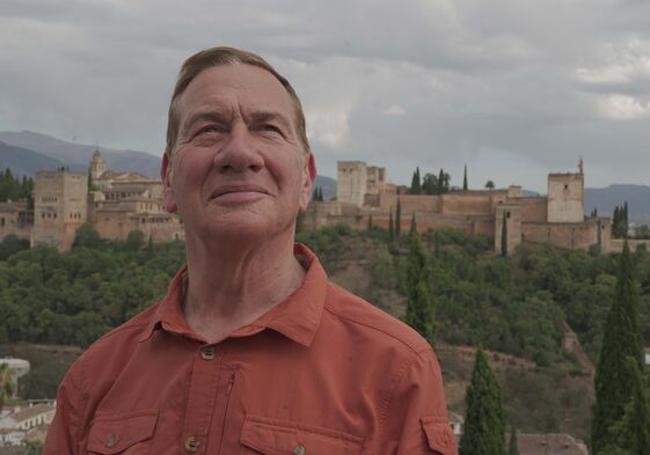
x=122, y=433
x=261, y=435
x=440, y=437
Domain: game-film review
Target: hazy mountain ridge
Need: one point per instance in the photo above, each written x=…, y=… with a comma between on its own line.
x=605, y=199
x=24, y=162
x=78, y=156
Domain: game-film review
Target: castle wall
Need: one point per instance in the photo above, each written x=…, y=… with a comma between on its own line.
x=117, y=224
x=533, y=209
x=564, y=235
x=16, y=218
x=565, y=198
x=616, y=245
x=466, y=203
x=352, y=182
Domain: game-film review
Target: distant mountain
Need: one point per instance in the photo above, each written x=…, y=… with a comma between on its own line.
x=24, y=162
x=77, y=156
x=605, y=199
x=328, y=185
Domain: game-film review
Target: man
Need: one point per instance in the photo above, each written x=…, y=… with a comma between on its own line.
x=252, y=350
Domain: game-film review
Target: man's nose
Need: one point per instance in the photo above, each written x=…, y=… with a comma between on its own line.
x=240, y=153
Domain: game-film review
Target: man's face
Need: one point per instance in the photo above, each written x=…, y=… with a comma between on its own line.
x=238, y=167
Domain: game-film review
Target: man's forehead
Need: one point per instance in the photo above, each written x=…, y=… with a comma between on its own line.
x=228, y=87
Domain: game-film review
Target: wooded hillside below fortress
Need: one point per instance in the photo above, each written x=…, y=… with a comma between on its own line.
x=117, y=203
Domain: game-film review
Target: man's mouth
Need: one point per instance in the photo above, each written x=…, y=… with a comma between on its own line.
x=234, y=191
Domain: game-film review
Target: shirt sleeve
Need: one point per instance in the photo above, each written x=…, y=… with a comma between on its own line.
x=63, y=433
x=417, y=421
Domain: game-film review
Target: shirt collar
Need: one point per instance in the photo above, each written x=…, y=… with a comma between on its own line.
x=297, y=317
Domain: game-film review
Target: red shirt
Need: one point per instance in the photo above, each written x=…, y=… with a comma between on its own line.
x=322, y=372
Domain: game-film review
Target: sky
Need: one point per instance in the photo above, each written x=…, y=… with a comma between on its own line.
x=515, y=89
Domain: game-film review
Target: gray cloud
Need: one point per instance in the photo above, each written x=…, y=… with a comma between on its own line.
x=515, y=88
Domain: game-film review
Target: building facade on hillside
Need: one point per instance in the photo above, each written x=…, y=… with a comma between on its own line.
x=121, y=202
x=114, y=203
x=363, y=192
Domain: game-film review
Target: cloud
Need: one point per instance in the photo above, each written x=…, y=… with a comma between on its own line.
x=621, y=107
x=395, y=109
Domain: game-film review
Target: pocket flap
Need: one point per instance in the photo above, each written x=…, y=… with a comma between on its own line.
x=114, y=433
x=439, y=435
x=275, y=437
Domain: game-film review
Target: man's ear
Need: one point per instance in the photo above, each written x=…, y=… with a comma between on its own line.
x=308, y=178
x=166, y=176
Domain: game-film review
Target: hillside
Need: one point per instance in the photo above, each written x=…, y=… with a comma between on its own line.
x=24, y=162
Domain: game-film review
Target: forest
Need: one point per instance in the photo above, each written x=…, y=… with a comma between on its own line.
x=515, y=305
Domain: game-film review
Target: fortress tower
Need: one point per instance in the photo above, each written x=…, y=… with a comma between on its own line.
x=566, y=198
x=352, y=180
x=59, y=207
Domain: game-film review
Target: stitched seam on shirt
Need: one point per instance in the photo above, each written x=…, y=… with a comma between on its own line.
x=394, y=384
x=84, y=420
x=417, y=350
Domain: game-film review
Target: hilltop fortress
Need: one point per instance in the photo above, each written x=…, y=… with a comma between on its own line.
x=117, y=203
x=114, y=203
x=364, y=196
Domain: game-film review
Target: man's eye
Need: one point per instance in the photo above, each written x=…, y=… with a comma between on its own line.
x=210, y=129
x=269, y=127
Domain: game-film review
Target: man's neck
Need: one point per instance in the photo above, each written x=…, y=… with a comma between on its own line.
x=229, y=287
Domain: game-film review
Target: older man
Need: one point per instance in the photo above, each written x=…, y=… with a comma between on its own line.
x=252, y=350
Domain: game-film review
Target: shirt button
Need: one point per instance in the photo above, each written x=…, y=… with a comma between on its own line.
x=192, y=444
x=111, y=441
x=300, y=450
x=207, y=353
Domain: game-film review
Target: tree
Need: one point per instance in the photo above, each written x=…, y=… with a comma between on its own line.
x=465, y=179
x=6, y=386
x=416, y=185
x=513, y=448
x=484, y=420
x=419, y=305
x=429, y=184
x=504, y=235
x=369, y=222
x=391, y=226
x=489, y=185
x=622, y=339
x=414, y=228
x=86, y=236
x=398, y=220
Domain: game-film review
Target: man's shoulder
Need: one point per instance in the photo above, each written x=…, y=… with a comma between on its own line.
x=372, y=322
x=121, y=337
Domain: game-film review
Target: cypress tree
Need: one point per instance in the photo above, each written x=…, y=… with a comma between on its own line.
x=398, y=220
x=419, y=307
x=465, y=179
x=416, y=182
x=626, y=220
x=622, y=339
x=504, y=235
x=369, y=222
x=484, y=420
x=391, y=226
x=513, y=448
x=414, y=229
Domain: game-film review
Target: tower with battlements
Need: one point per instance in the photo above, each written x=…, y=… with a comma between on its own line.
x=59, y=207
